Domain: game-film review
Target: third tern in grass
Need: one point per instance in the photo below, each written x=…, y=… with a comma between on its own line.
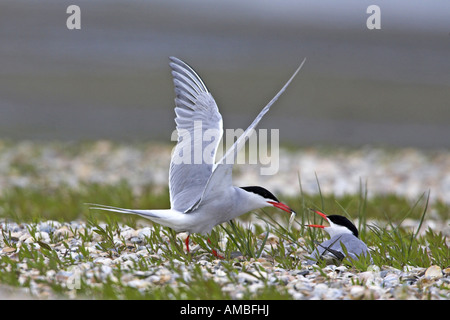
x=202, y=194
x=342, y=233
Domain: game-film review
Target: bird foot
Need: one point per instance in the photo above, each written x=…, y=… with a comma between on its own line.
x=214, y=252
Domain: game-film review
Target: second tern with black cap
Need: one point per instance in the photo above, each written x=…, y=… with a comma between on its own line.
x=342, y=233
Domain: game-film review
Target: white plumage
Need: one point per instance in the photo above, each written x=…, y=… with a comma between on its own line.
x=201, y=193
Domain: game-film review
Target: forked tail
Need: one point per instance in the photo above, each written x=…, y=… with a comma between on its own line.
x=143, y=213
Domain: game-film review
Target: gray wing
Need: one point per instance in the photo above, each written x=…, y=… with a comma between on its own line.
x=231, y=154
x=355, y=246
x=332, y=248
x=221, y=176
x=199, y=129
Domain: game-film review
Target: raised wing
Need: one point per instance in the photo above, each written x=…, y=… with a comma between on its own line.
x=199, y=129
x=221, y=175
x=231, y=154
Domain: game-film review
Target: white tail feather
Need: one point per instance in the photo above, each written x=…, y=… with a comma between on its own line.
x=142, y=213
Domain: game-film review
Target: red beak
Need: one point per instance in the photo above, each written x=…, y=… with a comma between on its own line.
x=281, y=206
x=323, y=215
x=315, y=226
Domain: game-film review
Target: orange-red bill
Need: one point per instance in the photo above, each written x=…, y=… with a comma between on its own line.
x=315, y=226
x=281, y=206
x=284, y=207
x=323, y=215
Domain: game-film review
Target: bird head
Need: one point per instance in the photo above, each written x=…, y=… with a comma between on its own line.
x=264, y=198
x=337, y=225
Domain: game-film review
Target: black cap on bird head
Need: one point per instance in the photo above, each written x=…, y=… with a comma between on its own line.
x=267, y=195
x=343, y=221
x=336, y=220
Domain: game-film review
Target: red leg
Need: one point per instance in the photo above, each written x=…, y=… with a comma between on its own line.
x=187, y=243
x=214, y=252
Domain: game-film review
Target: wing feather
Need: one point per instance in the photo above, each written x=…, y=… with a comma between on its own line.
x=196, y=111
x=221, y=175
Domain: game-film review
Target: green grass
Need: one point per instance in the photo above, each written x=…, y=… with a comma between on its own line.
x=67, y=204
x=391, y=243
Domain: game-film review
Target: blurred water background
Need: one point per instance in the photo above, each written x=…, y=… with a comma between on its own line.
x=111, y=79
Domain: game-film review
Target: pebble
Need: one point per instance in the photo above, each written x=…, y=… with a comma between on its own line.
x=304, y=282
x=406, y=172
x=433, y=272
x=8, y=250
x=390, y=280
x=357, y=292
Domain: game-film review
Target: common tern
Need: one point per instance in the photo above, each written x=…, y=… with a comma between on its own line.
x=202, y=194
x=342, y=233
